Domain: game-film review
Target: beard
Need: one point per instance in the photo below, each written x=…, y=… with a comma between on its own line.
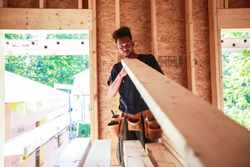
x=128, y=55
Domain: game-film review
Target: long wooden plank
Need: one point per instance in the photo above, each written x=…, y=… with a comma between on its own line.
x=45, y=19
x=135, y=155
x=214, y=54
x=93, y=73
x=2, y=99
x=204, y=136
x=233, y=18
x=75, y=154
x=99, y=154
x=190, y=45
x=160, y=156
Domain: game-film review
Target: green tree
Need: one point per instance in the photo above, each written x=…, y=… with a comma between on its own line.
x=84, y=130
x=48, y=69
x=236, y=83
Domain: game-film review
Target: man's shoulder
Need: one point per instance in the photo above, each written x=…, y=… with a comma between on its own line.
x=145, y=57
x=117, y=66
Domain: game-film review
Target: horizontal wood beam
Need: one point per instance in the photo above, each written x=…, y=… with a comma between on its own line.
x=204, y=136
x=233, y=18
x=47, y=47
x=45, y=19
x=26, y=143
x=235, y=44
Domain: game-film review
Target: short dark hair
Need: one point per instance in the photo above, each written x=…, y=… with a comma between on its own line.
x=122, y=32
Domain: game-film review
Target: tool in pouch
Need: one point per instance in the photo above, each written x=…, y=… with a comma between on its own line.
x=116, y=125
x=152, y=128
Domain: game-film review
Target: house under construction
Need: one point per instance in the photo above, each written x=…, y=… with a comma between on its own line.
x=185, y=38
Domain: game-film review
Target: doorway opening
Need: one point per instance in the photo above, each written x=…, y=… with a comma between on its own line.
x=236, y=76
x=58, y=63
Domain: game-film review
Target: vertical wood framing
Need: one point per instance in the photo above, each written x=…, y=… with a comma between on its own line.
x=2, y=100
x=190, y=45
x=79, y=4
x=222, y=4
x=214, y=54
x=221, y=95
x=226, y=4
x=42, y=4
x=93, y=73
x=3, y=3
x=153, y=28
x=117, y=25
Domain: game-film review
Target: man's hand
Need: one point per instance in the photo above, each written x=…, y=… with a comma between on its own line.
x=114, y=86
x=123, y=72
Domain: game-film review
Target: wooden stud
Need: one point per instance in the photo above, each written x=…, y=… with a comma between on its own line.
x=118, y=24
x=214, y=54
x=79, y=4
x=2, y=99
x=93, y=73
x=190, y=45
x=234, y=18
x=49, y=19
x=204, y=136
x=226, y=4
x=153, y=28
x=220, y=91
x=222, y=4
x=218, y=4
x=3, y=3
x=42, y=4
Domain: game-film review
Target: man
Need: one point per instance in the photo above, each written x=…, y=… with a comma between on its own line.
x=131, y=102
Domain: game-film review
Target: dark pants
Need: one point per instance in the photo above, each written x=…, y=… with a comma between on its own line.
x=130, y=135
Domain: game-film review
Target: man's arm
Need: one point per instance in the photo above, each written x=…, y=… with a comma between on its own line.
x=115, y=86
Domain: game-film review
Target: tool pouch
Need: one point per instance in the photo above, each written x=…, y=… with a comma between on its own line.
x=152, y=128
x=134, y=122
x=116, y=130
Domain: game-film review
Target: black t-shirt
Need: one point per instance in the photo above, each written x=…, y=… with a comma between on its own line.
x=130, y=99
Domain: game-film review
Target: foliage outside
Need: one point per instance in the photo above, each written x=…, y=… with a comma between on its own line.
x=47, y=69
x=236, y=83
x=84, y=130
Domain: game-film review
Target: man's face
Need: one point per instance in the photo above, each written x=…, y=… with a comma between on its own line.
x=125, y=46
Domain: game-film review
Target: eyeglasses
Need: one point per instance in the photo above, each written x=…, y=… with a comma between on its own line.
x=123, y=45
